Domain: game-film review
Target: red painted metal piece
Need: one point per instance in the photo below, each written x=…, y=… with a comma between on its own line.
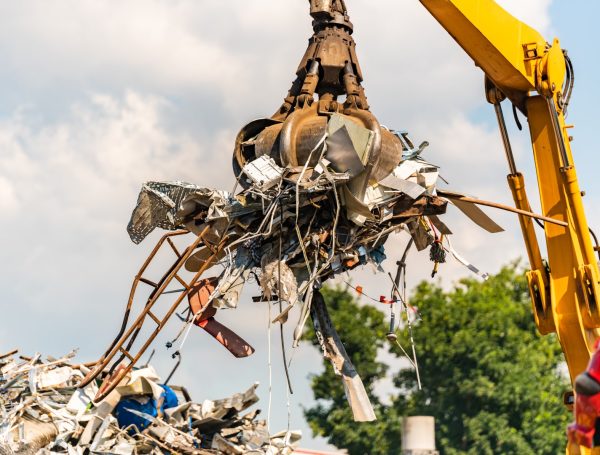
x=587, y=409
x=198, y=299
x=227, y=337
x=587, y=406
x=593, y=368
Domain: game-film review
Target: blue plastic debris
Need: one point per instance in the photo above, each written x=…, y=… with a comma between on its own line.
x=378, y=255
x=142, y=405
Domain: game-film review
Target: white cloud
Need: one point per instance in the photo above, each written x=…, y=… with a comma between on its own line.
x=535, y=13
x=213, y=52
x=76, y=182
x=82, y=40
x=8, y=196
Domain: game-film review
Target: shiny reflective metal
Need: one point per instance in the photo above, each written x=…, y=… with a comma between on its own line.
x=328, y=81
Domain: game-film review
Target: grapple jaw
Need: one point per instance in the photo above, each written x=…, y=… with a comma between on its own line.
x=328, y=82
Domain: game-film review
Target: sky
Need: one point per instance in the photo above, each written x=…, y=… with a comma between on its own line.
x=101, y=96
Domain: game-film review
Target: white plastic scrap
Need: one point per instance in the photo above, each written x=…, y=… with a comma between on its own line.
x=53, y=378
x=63, y=419
x=263, y=172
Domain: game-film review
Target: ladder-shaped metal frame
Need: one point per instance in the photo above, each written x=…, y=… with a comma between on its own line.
x=123, y=342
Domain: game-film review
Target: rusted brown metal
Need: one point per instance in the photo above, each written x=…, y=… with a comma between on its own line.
x=133, y=359
x=235, y=344
x=138, y=278
x=204, y=312
x=328, y=70
x=198, y=298
x=453, y=196
x=124, y=341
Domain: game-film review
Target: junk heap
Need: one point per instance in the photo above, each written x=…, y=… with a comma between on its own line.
x=44, y=412
x=320, y=187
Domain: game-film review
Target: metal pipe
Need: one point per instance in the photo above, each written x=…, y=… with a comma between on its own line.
x=114, y=381
x=178, y=355
x=558, y=133
x=505, y=139
x=507, y=208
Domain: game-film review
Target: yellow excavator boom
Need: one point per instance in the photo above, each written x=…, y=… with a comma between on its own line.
x=495, y=40
x=519, y=64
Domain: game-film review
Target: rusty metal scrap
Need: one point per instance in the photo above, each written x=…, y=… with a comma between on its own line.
x=321, y=186
x=43, y=412
x=333, y=349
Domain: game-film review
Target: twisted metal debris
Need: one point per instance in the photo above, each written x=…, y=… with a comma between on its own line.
x=320, y=186
x=44, y=412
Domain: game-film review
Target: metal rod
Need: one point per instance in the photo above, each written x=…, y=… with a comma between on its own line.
x=507, y=208
x=281, y=337
x=178, y=355
x=558, y=132
x=505, y=139
x=150, y=357
x=173, y=247
x=158, y=292
x=113, y=382
x=402, y=273
x=137, y=324
x=136, y=281
x=8, y=354
x=392, y=328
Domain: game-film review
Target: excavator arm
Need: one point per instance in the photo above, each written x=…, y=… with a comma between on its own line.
x=519, y=64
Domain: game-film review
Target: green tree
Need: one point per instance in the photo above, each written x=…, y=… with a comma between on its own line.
x=491, y=381
x=362, y=329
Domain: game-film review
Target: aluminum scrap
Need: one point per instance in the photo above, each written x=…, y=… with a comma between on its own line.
x=43, y=412
x=295, y=227
x=321, y=185
x=326, y=226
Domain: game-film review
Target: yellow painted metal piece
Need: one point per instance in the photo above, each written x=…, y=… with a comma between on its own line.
x=507, y=50
x=551, y=71
x=568, y=250
x=573, y=449
x=537, y=278
x=519, y=62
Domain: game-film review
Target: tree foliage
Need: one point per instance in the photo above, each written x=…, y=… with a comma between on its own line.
x=493, y=384
x=362, y=329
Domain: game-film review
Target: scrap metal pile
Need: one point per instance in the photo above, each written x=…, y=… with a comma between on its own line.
x=44, y=412
x=320, y=186
x=298, y=225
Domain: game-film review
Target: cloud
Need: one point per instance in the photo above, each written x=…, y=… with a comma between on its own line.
x=8, y=197
x=71, y=187
x=88, y=40
x=212, y=52
x=534, y=13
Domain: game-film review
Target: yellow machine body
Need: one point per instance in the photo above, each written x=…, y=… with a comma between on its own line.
x=523, y=67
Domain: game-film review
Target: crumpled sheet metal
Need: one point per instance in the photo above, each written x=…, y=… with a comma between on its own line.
x=276, y=273
x=348, y=145
x=294, y=227
x=157, y=205
x=473, y=212
x=169, y=205
x=333, y=349
x=42, y=412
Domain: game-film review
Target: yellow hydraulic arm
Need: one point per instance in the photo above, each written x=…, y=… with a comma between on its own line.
x=522, y=66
